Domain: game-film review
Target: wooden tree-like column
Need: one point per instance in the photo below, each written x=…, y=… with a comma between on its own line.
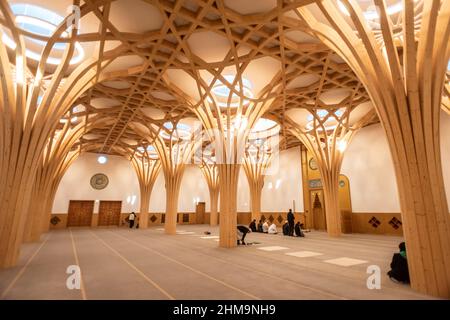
x=174, y=153
x=61, y=151
x=228, y=122
x=211, y=173
x=256, y=162
x=327, y=137
x=147, y=168
x=402, y=59
x=32, y=103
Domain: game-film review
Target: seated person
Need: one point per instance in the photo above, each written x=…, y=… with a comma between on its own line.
x=252, y=225
x=272, y=229
x=241, y=233
x=298, y=229
x=399, y=266
x=260, y=226
x=265, y=226
x=286, y=229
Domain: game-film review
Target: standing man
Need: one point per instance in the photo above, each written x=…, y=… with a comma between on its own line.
x=131, y=219
x=291, y=218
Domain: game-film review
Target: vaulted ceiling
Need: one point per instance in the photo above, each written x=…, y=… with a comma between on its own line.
x=169, y=56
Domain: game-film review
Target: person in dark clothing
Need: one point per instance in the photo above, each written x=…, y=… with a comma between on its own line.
x=291, y=218
x=131, y=219
x=260, y=228
x=252, y=225
x=399, y=266
x=298, y=229
x=286, y=229
x=241, y=233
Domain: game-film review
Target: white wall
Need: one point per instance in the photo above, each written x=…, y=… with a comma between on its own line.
x=193, y=188
x=285, y=185
x=445, y=151
x=123, y=183
x=75, y=185
x=368, y=164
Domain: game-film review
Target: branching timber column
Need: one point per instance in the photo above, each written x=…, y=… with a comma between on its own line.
x=256, y=162
x=32, y=104
x=175, y=147
x=147, y=168
x=229, y=136
x=61, y=150
x=211, y=174
x=326, y=136
x=401, y=57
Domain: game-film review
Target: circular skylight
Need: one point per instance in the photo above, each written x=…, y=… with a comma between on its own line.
x=225, y=98
x=370, y=11
x=330, y=122
x=151, y=151
x=182, y=131
x=40, y=22
x=264, y=128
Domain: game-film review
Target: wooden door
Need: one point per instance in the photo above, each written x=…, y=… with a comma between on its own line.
x=109, y=213
x=200, y=213
x=80, y=213
x=318, y=210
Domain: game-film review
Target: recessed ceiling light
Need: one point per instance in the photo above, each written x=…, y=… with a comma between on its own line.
x=102, y=159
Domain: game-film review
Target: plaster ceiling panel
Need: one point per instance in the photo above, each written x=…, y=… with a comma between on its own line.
x=139, y=128
x=334, y=96
x=360, y=111
x=135, y=16
x=209, y=46
x=91, y=136
x=153, y=113
x=89, y=23
x=243, y=50
x=260, y=73
x=298, y=115
x=301, y=37
x=117, y=84
x=111, y=45
x=130, y=142
x=102, y=103
x=163, y=95
x=124, y=62
x=251, y=6
x=302, y=81
x=184, y=82
x=292, y=14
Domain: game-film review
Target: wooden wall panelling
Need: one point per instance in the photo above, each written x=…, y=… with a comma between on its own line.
x=80, y=213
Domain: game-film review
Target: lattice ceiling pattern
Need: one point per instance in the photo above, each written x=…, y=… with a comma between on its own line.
x=169, y=56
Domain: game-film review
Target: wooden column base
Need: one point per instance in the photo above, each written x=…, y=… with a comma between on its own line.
x=228, y=177
x=143, y=220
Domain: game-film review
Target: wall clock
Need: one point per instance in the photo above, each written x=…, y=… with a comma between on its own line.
x=99, y=181
x=313, y=164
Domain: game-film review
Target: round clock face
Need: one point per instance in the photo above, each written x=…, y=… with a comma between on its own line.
x=99, y=181
x=313, y=164
x=342, y=183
